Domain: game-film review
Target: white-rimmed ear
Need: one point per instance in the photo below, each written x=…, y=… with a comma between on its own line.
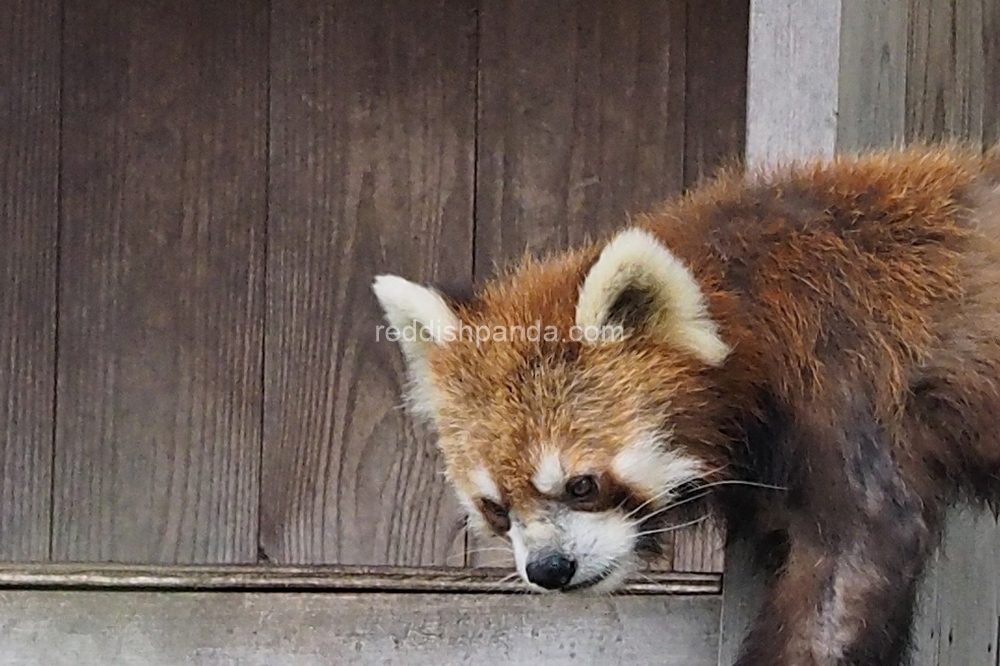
x=419, y=311
x=418, y=317
x=641, y=286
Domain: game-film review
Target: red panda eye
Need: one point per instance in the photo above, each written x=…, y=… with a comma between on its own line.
x=496, y=515
x=582, y=487
x=491, y=507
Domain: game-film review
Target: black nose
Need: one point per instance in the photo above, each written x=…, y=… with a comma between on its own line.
x=551, y=571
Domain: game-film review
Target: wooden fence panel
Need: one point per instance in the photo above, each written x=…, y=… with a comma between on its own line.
x=715, y=102
x=953, y=70
x=161, y=266
x=29, y=214
x=581, y=120
x=372, y=142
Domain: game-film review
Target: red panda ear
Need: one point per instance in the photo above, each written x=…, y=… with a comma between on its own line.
x=640, y=285
x=418, y=318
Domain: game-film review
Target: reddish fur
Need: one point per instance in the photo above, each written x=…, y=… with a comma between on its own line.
x=862, y=299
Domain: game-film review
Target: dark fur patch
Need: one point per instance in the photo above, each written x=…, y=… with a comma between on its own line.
x=631, y=309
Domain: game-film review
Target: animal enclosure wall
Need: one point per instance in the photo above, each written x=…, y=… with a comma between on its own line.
x=196, y=195
x=193, y=199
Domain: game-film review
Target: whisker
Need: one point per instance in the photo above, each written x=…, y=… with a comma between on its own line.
x=672, y=528
x=509, y=577
x=500, y=585
x=508, y=549
x=691, y=498
x=669, y=507
x=655, y=497
x=741, y=482
x=646, y=578
x=477, y=551
x=670, y=489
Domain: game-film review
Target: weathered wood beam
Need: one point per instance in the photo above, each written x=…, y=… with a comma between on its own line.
x=332, y=578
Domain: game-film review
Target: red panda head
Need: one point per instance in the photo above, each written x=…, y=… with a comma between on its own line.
x=570, y=401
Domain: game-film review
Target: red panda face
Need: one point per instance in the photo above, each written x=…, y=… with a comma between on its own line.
x=567, y=400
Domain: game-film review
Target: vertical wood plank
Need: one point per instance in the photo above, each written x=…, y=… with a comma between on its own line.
x=715, y=132
x=959, y=616
x=700, y=549
x=871, y=103
x=991, y=72
x=372, y=144
x=799, y=76
x=743, y=587
x=946, y=85
x=716, y=100
x=157, y=441
x=930, y=45
x=792, y=77
x=29, y=182
x=581, y=120
x=967, y=108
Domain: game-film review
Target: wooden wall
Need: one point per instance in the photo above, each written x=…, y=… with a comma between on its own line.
x=195, y=197
x=850, y=74
x=953, y=71
x=29, y=216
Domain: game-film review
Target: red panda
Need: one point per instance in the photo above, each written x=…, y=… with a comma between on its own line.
x=815, y=348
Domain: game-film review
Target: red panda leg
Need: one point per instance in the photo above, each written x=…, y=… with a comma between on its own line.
x=826, y=608
x=858, y=539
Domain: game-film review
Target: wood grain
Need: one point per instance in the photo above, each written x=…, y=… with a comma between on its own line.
x=29, y=214
x=959, y=614
x=947, y=69
x=204, y=629
x=581, y=121
x=929, y=59
x=743, y=588
x=792, y=80
x=157, y=442
x=716, y=99
x=311, y=577
x=871, y=80
x=991, y=75
x=968, y=109
x=700, y=548
x=372, y=143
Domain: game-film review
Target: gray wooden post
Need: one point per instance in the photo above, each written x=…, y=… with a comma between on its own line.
x=827, y=77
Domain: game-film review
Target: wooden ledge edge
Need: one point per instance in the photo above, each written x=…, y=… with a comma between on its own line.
x=320, y=578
